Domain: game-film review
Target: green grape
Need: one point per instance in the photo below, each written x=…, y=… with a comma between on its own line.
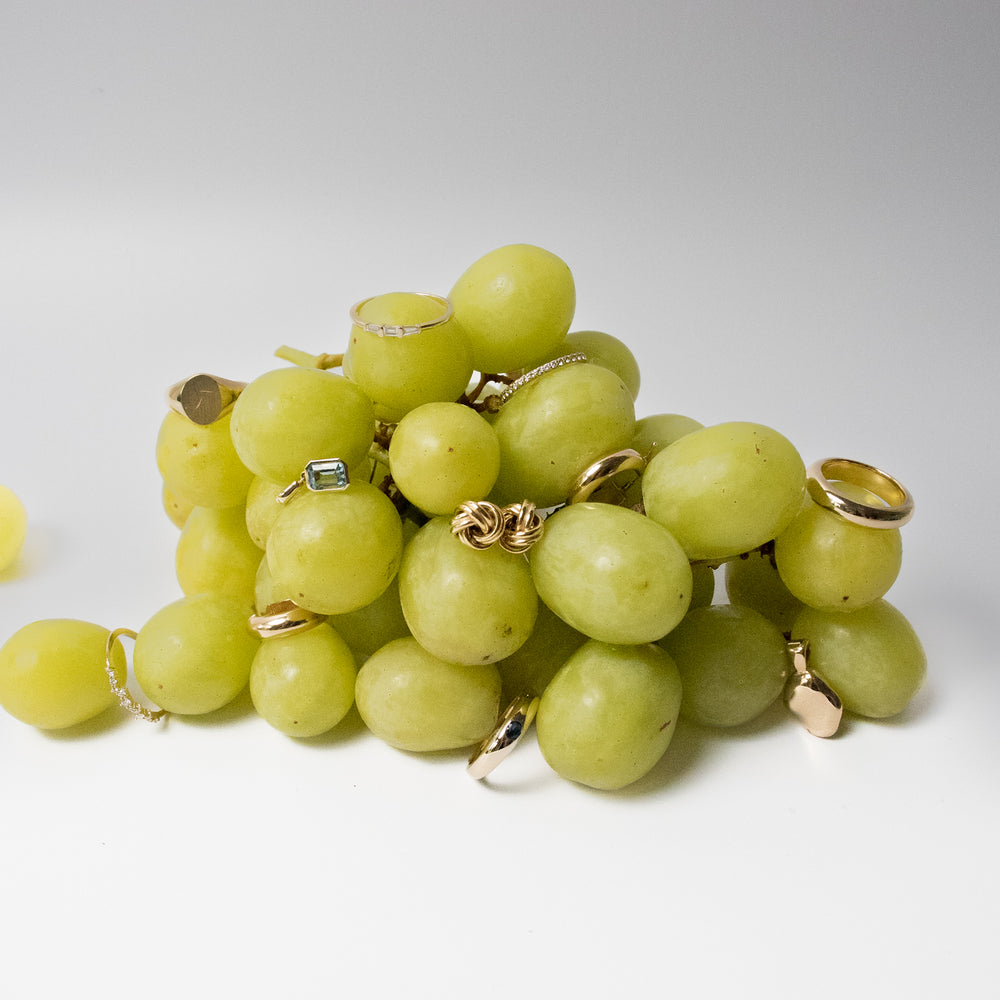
x=529, y=668
x=752, y=580
x=303, y=684
x=216, y=555
x=290, y=416
x=702, y=585
x=13, y=527
x=653, y=433
x=871, y=657
x=725, y=489
x=199, y=464
x=401, y=373
x=551, y=429
x=604, y=350
x=611, y=573
x=515, y=304
x=194, y=656
x=176, y=509
x=827, y=562
x=415, y=701
x=335, y=551
x=265, y=590
x=442, y=454
x=609, y=714
x=262, y=508
x=53, y=673
x=462, y=604
x=733, y=663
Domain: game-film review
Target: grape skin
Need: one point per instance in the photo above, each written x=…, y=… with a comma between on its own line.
x=13, y=527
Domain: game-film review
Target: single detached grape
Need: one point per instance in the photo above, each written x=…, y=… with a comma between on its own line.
x=609, y=714
x=53, y=673
x=13, y=527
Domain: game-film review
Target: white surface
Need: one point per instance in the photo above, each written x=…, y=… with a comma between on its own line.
x=789, y=210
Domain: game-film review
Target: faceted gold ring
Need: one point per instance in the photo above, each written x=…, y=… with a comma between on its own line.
x=284, y=618
x=898, y=507
x=511, y=726
x=549, y=366
x=203, y=399
x=392, y=330
x=604, y=470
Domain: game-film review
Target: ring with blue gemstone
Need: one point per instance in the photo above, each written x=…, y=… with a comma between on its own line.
x=321, y=475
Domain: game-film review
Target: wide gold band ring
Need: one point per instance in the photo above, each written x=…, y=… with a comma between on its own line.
x=821, y=479
x=393, y=330
x=511, y=726
x=284, y=618
x=203, y=399
x=604, y=470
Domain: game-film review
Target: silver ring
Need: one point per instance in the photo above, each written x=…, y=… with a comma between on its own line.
x=392, y=330
x=899, y=502
x=499, y=745
x=549, y=366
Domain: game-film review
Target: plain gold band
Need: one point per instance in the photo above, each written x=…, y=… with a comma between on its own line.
x=511, y=726
x=596, y=475
x=899, y=502
x=284, y=618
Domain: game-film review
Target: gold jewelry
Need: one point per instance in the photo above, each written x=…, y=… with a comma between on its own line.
x=603, y=472
x=511, y=726
x=320, y=475
x=523, y=526
x=549, y=366
x=203, y=399
x=124, y=698
x=391, y=330
x=808, y=697
x=899, y=502
x=284, y=618
x=481, y=523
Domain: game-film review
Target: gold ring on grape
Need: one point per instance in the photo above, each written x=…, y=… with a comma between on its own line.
x=511, y=726
x=603, y=471
x=821, y=480
x=121, y=693
x=549, y=366
x=319, y=476
x=284, y=618
x=203, y=399
x=394, y=330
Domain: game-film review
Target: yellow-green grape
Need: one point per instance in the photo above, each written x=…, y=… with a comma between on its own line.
x=176, y=509
x=462, y=604
x=529, y=668
x=871, y=657
x=827, y=562
x=265, y=591
x=290, y=416
x=752, y=580
x=725, y=489
x=733, y=663
x=401, y=373
x=194, y=656
x=653, y=433
x=442, y=454
x=609, y=714
x=551, y=429
x=611, y=573
x=515, y=304
x=703, y=585
x=604, y=350
x=335, y=551
x=13, y=527
x=53, y=673
x=262, y=509
x=215, y=554
x=415, y=701
x=303, y=684
x=199, y=464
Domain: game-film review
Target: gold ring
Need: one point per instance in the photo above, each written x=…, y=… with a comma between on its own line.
x=392, y=330
x=549, y=366
x=124, y=698
x=604, y=470
x=203, y=399
x=898, y=507
x=523, y=526
x=499, y=745
x=320, y=475
x=808, y=697
x=284, y=618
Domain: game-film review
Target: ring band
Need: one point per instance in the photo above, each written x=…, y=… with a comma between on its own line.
x=604, y=470
x=499, y=745
x=320, y=475
x=203, y=399
x=124, y=698
x=808, y=697
x=284, y=618
x=549, y=366
x=899, y=502
x=392, y=330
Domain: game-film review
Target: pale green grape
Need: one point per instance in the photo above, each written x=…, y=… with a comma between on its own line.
x=442, y=454
x=609, y=714
x=733, y=664
x=653, y=433
x=529, y=668
x=611, y=573
x=216, y=555
x=551, y=429
x=262, y=508
x=752, y=580
x=13, y=527
x=194, y=656
x=415, y=701
x=199, y=464
x=303, y=684
x=176, y=509
x=265, y=591
x=871, y=657
x=335, y=551
x=290, y=416
x=465, y=605
x=515, y=304
x=605, y=350
x=52, y=673
x=401, y=373
x=725, y=489
x=372, y=626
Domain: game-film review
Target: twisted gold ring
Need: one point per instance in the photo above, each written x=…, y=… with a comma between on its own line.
x=898, y=507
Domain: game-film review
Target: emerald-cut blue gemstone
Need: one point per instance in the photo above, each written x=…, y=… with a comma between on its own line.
x=326, y=474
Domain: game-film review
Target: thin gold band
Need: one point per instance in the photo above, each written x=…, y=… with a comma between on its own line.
x=124, y=698
x=393, y=330
x=899, y=502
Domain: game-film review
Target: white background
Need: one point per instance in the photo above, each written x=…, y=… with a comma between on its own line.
x=788, y=209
